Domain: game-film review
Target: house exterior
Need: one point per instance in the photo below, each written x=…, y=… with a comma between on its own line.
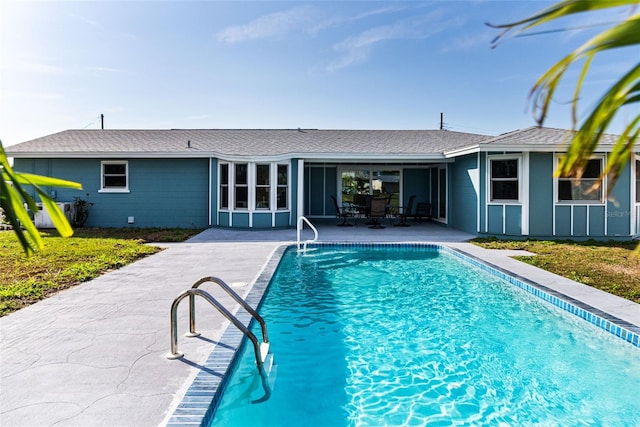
x=488, y=186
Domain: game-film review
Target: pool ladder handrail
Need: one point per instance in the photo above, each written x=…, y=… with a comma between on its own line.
x=299, y=226
x=261, y=350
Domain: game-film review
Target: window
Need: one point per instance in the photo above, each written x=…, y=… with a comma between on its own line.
x=262, y=187
x=253, y=186
x=241, y=186
x=504, y=179
x=586, y=188
x=115, y=176
x=283, y=185
x=224, y=186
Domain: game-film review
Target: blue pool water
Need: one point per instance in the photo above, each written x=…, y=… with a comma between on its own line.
x=391, y=337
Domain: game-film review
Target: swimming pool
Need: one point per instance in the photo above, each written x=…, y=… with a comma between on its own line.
x=410, y=335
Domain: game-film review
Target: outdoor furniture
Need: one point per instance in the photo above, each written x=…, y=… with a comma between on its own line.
x=362, y=206
x=344, y=213
x=423, y=210
x=406, y=212
x=378, y=211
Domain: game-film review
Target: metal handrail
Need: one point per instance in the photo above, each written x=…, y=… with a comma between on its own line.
x=299, y=226
x=260, y=350
x=232, y=294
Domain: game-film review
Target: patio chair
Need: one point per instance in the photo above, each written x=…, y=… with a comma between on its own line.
x=378, y=211
x=344, y=213
x=406, y=212
x=423, y=210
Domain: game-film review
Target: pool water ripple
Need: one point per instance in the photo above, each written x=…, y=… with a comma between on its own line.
x=393, y=338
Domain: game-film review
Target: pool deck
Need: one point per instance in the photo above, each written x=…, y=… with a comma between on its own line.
x=94, y=355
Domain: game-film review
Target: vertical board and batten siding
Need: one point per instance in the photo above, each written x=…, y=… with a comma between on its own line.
x=464, y=186
x=541, y=194
x=619, y=205
x=595, y=220
x=503, y=218
x=214, y=218
x=261, y=219
x=162, y=192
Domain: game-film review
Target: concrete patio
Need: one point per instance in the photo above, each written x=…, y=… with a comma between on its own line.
x=94, y=355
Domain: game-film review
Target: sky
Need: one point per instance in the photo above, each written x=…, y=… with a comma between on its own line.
x=285, y=65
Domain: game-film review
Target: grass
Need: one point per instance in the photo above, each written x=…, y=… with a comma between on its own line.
x=67, y=262
x=613, y=267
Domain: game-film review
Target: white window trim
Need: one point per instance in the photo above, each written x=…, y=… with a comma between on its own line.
x=521, y=178
x=269, y=186
x=248, y=185
x=228, y=184
x=252, y=185
x=275, y=186
x=104, y=189
x=556, y=180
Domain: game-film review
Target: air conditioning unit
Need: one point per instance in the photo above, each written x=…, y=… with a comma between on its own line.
x=42, y=219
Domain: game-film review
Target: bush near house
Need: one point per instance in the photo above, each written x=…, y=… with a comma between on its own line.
x=66, y=262
x=613, y=267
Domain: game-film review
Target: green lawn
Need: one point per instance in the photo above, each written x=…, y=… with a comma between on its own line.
x=67, y=262
x=613, y=267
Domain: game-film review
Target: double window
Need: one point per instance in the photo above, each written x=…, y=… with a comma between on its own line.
x=114, y=176
x=254, y=186
x=585, y=187
x=504, y=180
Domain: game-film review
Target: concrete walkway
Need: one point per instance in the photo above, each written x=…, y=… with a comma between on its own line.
x=94, y=355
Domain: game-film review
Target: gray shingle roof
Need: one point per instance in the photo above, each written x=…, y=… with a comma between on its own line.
x=305, y=143
x=540, y=136
x=238, y=142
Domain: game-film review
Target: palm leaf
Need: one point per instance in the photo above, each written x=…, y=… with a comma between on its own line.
x=13, y=198
x=558, y=10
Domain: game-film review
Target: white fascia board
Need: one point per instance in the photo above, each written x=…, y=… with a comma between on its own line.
x=531, y=148
x=462, y=151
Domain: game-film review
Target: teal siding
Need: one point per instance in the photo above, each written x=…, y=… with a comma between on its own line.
x=563, y=220
x=540, y=194
x=282, y=219
x=463, y=213
x=416, y=182
x=513, y=221
x=483, y=191
x=619, y=206
x=495, y=220
x=596, y=221
x=261, y=220
x=579, y=221
x=224, y=219
x=240, y=219
x=214, y=220
x=163, y=192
